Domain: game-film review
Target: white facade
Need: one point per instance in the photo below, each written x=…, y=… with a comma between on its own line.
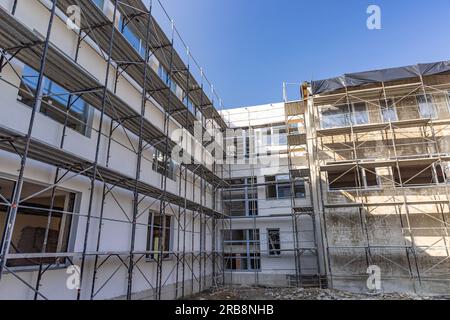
x=273, y=212
x=118, y=205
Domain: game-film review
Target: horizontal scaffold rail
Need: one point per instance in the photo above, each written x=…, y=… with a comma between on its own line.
x=345, y=166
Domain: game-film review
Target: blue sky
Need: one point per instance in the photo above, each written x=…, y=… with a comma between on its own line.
x=249, y=47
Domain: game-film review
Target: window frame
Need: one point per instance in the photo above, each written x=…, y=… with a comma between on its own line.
x=57, y=108
x=349, y=117
x=283, y=183
x=171, y=170
x=150, y=257
x=429, y=101
x=390, y=105
x=72, y=228
x=434, y=176
x=249, y=254
x=363, y=178
x=100, y=6
x=277, y=252
x=248, y=198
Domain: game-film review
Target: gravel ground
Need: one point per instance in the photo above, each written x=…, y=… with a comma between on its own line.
x=262, y=293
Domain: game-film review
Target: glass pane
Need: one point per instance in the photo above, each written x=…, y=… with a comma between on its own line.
x=360, y=114
x=388, y=110
x=426, y=106
x=335, y=116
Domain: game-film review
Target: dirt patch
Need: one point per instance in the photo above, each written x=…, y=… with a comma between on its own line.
x=264, y=293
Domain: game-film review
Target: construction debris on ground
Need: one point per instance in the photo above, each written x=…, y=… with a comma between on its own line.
x=266, y=293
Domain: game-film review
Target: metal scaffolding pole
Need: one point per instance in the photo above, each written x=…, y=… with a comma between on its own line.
x=139, y=154
x=12, y=213
x=97, y=152
x=94, y=174
x=163, y=199
x=69, y=106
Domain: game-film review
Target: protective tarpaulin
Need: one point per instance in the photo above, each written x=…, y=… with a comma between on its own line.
x=376, y=76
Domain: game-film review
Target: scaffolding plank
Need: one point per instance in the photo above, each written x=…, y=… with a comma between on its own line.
x=373, y=127
x=46, y=153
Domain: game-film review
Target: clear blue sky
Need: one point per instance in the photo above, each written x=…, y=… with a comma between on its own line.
x=249, y=47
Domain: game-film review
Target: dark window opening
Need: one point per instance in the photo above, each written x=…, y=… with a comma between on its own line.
x=159, y=163
x=241, y=199
x=273, y=236
x=353, y=179
x=420, y=175
x=31, y=223
x=159, y=234
x=279, y=187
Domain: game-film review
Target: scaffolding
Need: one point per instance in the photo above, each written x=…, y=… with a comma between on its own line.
x=390, y=217
x=122, y=59
x=293, y=216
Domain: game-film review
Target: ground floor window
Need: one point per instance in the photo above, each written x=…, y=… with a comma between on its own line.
x=242, y=249
x=31, y=222
x=159, y=235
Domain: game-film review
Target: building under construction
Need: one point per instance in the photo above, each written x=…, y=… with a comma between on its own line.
x=108, y=188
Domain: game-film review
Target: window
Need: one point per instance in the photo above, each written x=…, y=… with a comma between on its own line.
x=427, y=108
x=188, y=103
x=162, y=73
x=335, y=116
x=239, y=144
x=158, y=165
x=423, y=175
x=242, y=249
x=360, y=114
x=279, y=136
x=247, y=148
x=55, y=102
x=31, y=222
x=263, y=140
x=241, y=199
x=388, y=111
x=353, y=179
x=273, y=240
x=99, y=3
x=131, y=36
x=344, y=115
x=279, y=187
x=448, y=100
x=159, y=235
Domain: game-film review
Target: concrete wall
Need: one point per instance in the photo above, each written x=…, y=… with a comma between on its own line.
x=272, y=213
x=404, y=231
